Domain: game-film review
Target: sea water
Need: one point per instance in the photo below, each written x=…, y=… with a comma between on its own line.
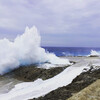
x=71, y=51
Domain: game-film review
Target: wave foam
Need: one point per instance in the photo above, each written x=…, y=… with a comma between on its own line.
x=25, y=50
x=94, y=53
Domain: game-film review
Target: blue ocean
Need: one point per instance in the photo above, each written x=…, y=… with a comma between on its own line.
x=71, y=51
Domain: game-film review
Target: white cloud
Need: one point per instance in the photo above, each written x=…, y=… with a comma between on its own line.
x=50, y=16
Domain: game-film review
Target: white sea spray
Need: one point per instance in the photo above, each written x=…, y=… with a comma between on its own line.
x=24, y=50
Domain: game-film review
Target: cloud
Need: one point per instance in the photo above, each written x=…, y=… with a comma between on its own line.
x=51, y=16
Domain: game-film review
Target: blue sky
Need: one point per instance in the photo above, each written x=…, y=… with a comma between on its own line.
x=71, y=23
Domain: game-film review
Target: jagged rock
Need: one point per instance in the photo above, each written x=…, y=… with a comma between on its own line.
x=31, y=73
x=79, y=83
x=92, y=92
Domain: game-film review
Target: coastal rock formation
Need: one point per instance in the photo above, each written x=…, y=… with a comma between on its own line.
x=91, y=92
x=31, y=73
x=79, y=83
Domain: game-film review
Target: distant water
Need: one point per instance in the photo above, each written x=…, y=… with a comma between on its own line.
x=71, y=51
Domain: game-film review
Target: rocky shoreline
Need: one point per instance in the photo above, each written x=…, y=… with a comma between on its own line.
x=79, y=83
x=92, y=92
x=31, y=73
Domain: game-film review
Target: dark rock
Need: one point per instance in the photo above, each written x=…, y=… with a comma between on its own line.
x=94, y=56
x=79, y=83
x=31, y=72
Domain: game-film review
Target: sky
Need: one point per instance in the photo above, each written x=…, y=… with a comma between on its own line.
x=66, y=23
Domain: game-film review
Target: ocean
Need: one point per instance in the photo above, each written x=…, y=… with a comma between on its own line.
x=71, y=51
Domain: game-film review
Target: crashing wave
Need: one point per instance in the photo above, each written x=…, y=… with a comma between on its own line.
x=94, y=53
x=25, y=50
